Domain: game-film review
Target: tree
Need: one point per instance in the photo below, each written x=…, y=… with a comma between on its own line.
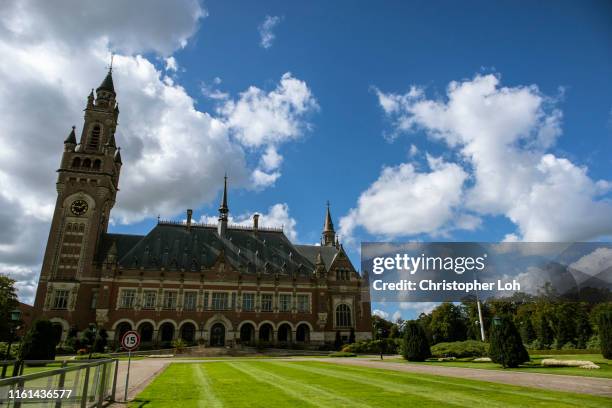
x=381, y=327
x=605, y=333
x=352, y=336
x=447, y=323
x=338, y=341
x=8, y=303
x=583, y=327
x=101, y=341
x=416, y=346
x=564, y=324
x=506, y=346
x=38, y=343
x=545, y=332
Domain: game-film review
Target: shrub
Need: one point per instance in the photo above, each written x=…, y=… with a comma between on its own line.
x=62, y=350
x=605, y=333
x=594, y=342
x=506, y=346
x=38, y=343
x=342, y=354
x=14, y=350
x=94, y=356
x=179, y=345
x=389, y=346
x=416, y=346
x=101, y=341
x=460, y=349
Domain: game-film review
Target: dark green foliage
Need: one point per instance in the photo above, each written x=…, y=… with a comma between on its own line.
x=460, y=349
x=448, y=323
x=338, y=341
x=583, y=327
x=545, y=333
x=416, y=346
x=88, y=337
x=528, y=333
x=381, y=328
x=101, y=341
x=506, y=346
x=563, y=324
x=8, y=302
x=605, y=333
x=389, y=346
x=352, y=336
x=38, y=343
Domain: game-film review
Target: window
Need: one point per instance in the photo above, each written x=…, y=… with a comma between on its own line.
x=94, y=139
x=233, y=300
x=189, y=302
x=248, y=301
x=266, y=302
x=60, y=299
x=206, y=301
x=94, y=300
x=284, y=303
x=169, y=300
x=343, y=274
x=219, y=300
x=150, y=297
x=343, y=316
x=127, y=298
x=303, y=303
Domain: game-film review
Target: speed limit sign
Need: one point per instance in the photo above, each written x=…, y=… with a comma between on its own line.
x=130, y=340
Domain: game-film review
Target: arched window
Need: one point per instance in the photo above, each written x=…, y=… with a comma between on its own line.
x=97, y=164
x=343, y=316
x=94, y=138
x=76, y=162
x=87, y=163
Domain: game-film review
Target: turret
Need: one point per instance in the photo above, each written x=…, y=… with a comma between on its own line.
x=329, y=235
x=223, y=211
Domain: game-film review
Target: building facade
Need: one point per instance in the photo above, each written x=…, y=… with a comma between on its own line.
x=219, y=284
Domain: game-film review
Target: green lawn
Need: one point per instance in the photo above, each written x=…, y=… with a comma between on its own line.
x=534, y=366
x=301, y=384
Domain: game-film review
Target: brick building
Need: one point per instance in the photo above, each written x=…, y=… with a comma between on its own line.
x=220, y=284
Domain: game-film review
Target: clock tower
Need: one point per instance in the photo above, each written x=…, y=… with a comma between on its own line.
x=87, y=184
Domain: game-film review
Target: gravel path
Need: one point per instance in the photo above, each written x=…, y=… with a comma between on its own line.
x=568, y=383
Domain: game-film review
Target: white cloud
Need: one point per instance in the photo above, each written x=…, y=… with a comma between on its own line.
x=271, y=159
x=501, y=135
x=404, y=201
x=266, y=34
x=52, y=60
x=396, y=316
x=171, y=64
x=277, y=216
x=380, y=313
x=419, y=307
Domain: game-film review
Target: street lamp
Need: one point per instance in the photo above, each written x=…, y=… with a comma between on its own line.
x=13, y=327
x=380, y=332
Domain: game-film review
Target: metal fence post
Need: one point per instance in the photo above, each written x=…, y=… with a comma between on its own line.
x=60, y=386
x=115, y=380
x=20, y=383
x=102, y=379
x=85, y=386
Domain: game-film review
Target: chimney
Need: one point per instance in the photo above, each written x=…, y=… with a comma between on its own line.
x=189, y=214
x=255, y=222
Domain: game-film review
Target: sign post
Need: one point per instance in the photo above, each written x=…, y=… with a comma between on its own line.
x=130, y=341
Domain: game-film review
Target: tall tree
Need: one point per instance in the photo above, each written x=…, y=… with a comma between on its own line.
x=416, y=346
x=447, y=323
x=506, y=346
x=8, y=302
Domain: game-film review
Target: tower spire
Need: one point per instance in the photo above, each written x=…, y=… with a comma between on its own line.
x=329, y=234
x=223, y=210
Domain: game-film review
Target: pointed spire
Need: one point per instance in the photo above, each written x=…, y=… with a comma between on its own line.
x=223, y=209
x=71, y=139
x=329, y=225
x=107, y=84
x=329, y=235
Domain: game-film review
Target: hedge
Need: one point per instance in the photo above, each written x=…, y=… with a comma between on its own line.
x=460, y=349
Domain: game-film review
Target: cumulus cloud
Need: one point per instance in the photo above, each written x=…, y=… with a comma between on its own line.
x=52, y=60
x=266, y=34
x=380, y=313
x=404, y=201
x=277, y=216
x=501, y=137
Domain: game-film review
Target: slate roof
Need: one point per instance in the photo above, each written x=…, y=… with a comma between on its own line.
x=173, y=246
x=107, y=84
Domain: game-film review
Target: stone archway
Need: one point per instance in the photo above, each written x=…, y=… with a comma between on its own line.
x=217, y=335
x=284, y=333
x=302, y=334
x=121, y=329
x=166, y=332
x=188, y=331
x=266, y=333
x=247, y=333
x=145, y=329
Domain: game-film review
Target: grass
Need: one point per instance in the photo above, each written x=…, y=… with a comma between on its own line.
x=534, y=366
x=271, y=383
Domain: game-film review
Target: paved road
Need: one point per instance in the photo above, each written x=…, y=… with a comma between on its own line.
x=142, y=372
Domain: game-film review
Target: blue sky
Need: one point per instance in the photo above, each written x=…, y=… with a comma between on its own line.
x=351, y=55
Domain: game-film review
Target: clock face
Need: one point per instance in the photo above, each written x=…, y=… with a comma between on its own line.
x=79, y=207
